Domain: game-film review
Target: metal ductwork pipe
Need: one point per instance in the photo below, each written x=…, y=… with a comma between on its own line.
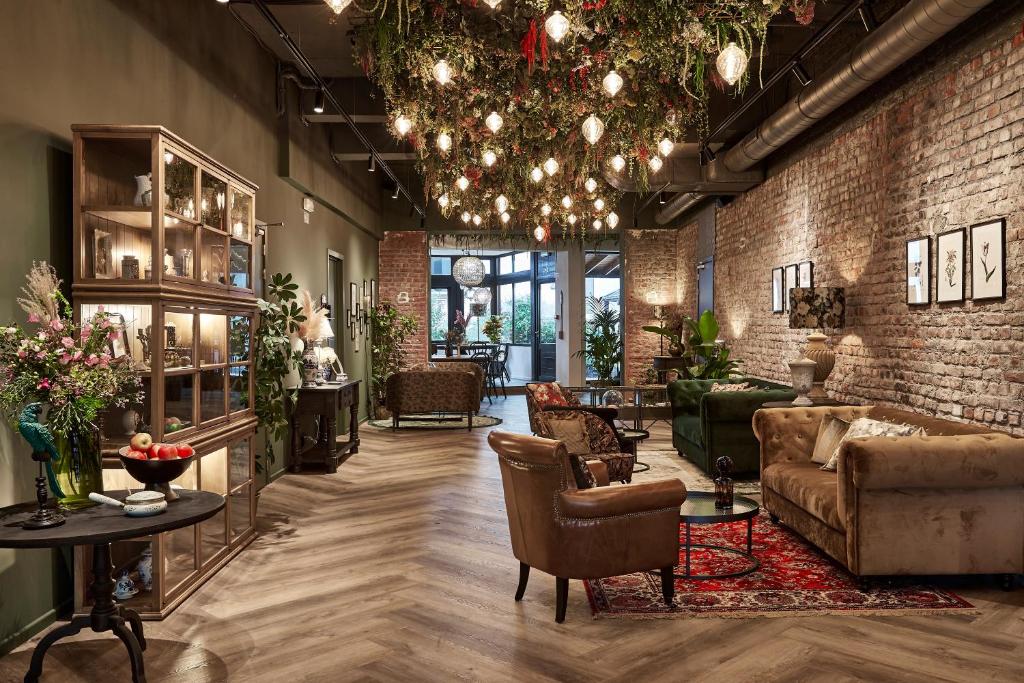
x=679, y=204
x=916, y=26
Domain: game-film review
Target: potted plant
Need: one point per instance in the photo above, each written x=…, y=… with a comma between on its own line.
x=602, y=340
x=71, y=371
x=494, y=327
x=705, y=357
x=390, y=330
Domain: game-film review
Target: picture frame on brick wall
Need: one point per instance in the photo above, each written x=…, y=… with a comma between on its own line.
x=988, y=260
x=805, y=274
x=950, y=265
x=919, y=271
x=778, y=289
x=791, y=282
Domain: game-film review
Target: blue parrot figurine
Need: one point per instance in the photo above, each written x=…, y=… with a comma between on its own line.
x=41, y=439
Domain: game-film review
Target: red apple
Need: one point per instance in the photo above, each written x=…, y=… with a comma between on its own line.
x=168, y=452
x=154, y=451
x=141, y=441
x=185, y=451
x=135, y=455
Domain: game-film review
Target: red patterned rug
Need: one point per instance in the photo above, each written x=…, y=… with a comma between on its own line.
x=795, y=579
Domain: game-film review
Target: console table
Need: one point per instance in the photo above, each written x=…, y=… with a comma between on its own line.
x=324, y=402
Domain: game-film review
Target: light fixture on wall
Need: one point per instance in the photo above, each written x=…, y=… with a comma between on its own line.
x=319, y=102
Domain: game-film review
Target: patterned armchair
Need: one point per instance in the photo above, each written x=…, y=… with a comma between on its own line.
x=551, y=397
x=433, y=391
x=586, y=434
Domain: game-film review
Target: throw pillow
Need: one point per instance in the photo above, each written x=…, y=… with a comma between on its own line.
x=830, y=433
x=585, y=479
x=570, y=429
x=864, y=427
x=722, y=387
x=547, y=394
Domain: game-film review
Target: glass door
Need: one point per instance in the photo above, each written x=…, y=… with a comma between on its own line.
x=545, y=331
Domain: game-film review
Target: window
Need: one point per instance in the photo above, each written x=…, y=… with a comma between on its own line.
x=505, y=308
x=505, y=264
x=440, y=265
x=521, y=261
x=440, y=313
x=522, y=312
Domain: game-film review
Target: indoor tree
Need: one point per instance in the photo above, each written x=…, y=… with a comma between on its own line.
x=390, y=329
x=602, y=340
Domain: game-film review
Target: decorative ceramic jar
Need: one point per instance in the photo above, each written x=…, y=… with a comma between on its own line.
x=310, y=365
x=723, y=483
x=803, y=380
x=143, y=190
x=145, y=568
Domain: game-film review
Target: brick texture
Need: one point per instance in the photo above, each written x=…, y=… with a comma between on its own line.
x=663, y=262
x=405, y=267
x=941, y=152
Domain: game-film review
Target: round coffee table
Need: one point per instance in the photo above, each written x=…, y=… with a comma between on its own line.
x=98, y=526
x=633, y=437
x=699, y=508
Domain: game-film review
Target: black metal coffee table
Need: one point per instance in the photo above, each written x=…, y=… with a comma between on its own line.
x=699, y=508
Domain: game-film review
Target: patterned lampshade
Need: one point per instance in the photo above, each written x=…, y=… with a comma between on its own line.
x=817, y=308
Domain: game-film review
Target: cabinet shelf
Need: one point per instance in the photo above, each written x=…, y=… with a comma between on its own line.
x=140, y=217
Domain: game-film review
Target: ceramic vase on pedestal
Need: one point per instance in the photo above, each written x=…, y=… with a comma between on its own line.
x=824, y=360
x=310, y=365
x=803, y=380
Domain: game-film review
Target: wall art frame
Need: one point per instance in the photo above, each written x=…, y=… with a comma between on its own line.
x=988, y=260
x=805, y=274
x=778, y=290
x=790, y=283
x=951, y=264
x=918, y=262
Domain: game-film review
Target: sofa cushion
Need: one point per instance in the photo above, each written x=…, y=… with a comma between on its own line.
x=547, y=394
x=581, y=472
x=865, y=427
x=568, y=427
x=830, y=434
x=725, y=388
x=807, y=487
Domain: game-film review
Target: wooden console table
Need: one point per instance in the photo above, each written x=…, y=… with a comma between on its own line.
x=325, y=401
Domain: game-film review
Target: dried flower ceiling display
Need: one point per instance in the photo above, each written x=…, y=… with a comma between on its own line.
x=517, y=108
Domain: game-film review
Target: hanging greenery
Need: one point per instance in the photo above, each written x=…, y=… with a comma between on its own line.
x=486, y=96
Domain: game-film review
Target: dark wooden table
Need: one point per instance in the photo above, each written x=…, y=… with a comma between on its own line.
x=324, y=402
x=99, y=526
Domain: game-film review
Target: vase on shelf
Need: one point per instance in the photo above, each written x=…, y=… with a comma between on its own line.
x=143, y=190
x=310, y=365
x=675, y=349
x=79, y=469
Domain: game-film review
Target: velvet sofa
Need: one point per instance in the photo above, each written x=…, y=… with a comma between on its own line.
x=435, y=390
x=706, y=424
x=951, y=502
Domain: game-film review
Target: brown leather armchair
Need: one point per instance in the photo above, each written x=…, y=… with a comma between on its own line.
x=585, y=534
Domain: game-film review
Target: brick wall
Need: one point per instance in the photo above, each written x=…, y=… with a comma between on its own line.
x=660, y=261
x=942, y=151
x=405, y=267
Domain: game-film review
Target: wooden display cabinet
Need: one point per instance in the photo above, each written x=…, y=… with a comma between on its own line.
x=164, y=242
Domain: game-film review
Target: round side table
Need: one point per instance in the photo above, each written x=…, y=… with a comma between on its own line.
x=99, y=526
x=633, y=437
x=699, y=508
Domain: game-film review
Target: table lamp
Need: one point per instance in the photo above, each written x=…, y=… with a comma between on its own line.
x=815, y=308
x=324, y=333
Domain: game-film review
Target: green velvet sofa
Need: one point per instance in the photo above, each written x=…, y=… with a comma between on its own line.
x=708, y=425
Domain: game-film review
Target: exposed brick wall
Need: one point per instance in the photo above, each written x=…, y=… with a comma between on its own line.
x=943, y=151
x=405, y=267
x=661, y=261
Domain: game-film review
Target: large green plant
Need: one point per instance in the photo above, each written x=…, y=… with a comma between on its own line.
x=279, y=317
x=390, y=329
x=706, y=358
x=603, y=342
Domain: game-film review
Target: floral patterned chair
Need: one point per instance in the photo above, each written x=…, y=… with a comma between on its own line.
x=552, y=397
x=586, y=434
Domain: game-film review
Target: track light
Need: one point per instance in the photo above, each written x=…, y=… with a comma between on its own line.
x=371, y=165
x=320, y=102
x=801, y=74
x=867, y=17
x=223, y=2
x=394, y=193
x=662, y=198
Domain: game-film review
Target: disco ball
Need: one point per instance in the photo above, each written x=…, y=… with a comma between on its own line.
x=481, y=295
x=612, y=398
x=468, y=271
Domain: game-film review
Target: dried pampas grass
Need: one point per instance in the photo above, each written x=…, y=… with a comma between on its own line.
x=41, y=290
x=314, y=318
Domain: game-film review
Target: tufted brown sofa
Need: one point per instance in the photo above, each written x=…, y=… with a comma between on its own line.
x=951, y=502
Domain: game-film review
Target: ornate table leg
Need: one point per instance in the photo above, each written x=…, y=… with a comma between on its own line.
x=353, y=423
x=687, y=549
x=331, y=444
x=106, y=615
x=296, y=455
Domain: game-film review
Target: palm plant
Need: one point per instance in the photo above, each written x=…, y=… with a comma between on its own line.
x=706, y=358
x=603, y=341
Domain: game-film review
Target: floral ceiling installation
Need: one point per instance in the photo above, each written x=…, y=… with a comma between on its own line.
x=528, y=99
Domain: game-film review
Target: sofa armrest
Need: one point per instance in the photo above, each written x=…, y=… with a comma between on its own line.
x=972, y=461
x=788, y=434
x=621, y=500
x=684, y=395
x=600, y=472
x=738, y=406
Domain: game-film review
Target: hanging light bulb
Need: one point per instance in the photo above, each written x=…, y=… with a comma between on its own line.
x=466, y=217
x=597, y=224
x=539, y=233
x=468, y=270
x=557, y=26
x=443, y=201
x=444, y=142
x=493, y=4
x=551, y=166
x=476, y=219
x=655, y=163
x=590, y=185
x=442, y=72
x=494, y=122
x=665, y=147
x=337, y=6
x=593, y=129
x=501, y=203
x=546, y=210
x=402, y=124
x=731, y=63
x=598, y=204
x=612, y=220
x=618, y=163
x=571, y=218
x=536, y=175
x=462, y=183
x=566, y=202
x=505, y=218
x=488, y=157
x=612, y=84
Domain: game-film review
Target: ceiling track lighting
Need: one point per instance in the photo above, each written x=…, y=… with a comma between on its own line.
x=371, y=165
x=867, y=17
x=801, y=74
x=394, y=192
x=319, y=102
x=663, y=198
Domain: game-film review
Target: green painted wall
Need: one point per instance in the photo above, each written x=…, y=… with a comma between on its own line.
x=187, y=65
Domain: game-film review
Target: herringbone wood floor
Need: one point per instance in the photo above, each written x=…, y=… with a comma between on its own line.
x=398, y=568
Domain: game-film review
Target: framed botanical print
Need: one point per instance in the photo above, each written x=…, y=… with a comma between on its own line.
x=778, y=289
x=805, y=274
x=950, y=264
x=988, y=260
x=373, y=294
x=790, y=283
x=353, y=308
x=118, y=343
x=919, y=271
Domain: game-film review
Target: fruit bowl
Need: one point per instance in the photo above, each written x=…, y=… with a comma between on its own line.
x=156, y=474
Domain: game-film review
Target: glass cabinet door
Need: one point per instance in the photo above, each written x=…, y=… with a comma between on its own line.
x=213, y=202
x=179, y=186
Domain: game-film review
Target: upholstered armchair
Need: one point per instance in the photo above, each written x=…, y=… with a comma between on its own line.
x=432, y=391
x=586, y=533
x=586, y=434
x=552, y=397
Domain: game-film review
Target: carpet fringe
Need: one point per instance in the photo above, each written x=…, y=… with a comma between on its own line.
x=900, y=612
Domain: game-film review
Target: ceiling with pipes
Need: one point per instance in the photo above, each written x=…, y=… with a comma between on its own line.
x=796, y=57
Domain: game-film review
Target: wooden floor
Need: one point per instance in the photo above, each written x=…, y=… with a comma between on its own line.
x=398, y=568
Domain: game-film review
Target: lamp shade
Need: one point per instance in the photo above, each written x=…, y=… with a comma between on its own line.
x=817, y=308
x=325, y=331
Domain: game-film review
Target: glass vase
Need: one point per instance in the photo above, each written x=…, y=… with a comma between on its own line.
x=79, y=469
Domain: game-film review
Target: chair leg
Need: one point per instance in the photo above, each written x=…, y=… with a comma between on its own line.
x=668, y=584
x=524, y=576
x=469, y=419
x=561, y=598
x=394, y=421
